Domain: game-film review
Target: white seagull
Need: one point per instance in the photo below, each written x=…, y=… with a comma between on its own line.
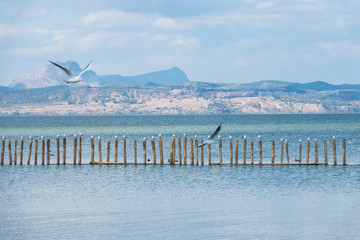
x=72, y=78
x=211, y=140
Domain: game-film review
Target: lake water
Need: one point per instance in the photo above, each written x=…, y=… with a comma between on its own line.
x=183, y=202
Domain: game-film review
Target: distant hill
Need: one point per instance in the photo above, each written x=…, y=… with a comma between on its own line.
x=50, y=75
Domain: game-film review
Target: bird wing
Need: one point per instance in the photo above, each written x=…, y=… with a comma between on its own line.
x=68, y=72
x=86, y=68
x=216, y=132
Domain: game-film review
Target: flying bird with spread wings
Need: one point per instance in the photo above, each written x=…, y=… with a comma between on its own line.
x=211, y=140
x=72, y=78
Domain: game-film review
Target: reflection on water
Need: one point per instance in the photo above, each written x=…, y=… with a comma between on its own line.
x=182, y=202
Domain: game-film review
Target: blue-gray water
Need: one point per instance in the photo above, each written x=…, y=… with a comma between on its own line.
x=183, y=202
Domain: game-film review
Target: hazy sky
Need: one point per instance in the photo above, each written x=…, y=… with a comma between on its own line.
x=211, y=40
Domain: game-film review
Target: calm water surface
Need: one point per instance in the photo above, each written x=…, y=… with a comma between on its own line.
x=182, y=202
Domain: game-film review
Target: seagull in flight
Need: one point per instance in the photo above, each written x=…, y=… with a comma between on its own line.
x=211, y=140
x=72, y=78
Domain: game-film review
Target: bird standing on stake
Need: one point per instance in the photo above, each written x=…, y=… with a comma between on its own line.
x=72, y=78
x=211, y=140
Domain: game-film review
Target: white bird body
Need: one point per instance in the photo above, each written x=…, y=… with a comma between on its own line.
x=72, y=78
x=211, y=140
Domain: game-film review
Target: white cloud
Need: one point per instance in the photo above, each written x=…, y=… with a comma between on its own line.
x=114, y=18
x=6, y=30
x=164, y=23
x=340, y=47
x=240, y=61
x=33, y=14
x=264, y=5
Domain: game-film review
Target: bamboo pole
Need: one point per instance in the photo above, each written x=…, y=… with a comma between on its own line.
x=185, y=149
x=135, y=152
x=197, y=150
x=64, y=150
x=144, y=151
x=202, y=152
x=344, y=151
x=161, y=150
x=10, y=155
x=287, y=151
x=92, y=143
x=192, y=151
x=116, y=150
x=15, y=152
x=260, y=151
x=153, y=150
x=231, y=151
x=300, y=151
x=209, y=154
x=325, y=152
x=75, y=150
x=282, y=152
x=307, y=151
x=124, y=150
x=244, y=150
x=48, y=151
x=30, y=148
x=2, y=151
x=272, y=152
x=220, y=150
x=36, y=151
x=236, y=152
x=108, y=152
x=316, y=152
x=57, y=150
x=334, y=150
x=21, y=150
x=180, y=151
x=80, y=149
x=100, y=155
x=42, y=151
x=252, y=152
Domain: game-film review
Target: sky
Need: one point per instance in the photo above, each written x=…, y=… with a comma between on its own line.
x=224, y=41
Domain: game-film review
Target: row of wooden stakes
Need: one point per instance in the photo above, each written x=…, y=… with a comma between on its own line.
x=182, y=153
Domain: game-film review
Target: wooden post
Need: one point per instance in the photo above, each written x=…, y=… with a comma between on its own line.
x=174, y=151
x=252, y=152
x=10, y=155
x=185, y=149
x=36, y=151
x=171, y=151
x=57, y=150
x=92, y=157
x=334, y=150
x=2, y=151
x=42, y=150
x=244, y=150
x=180, y=151
x=75, y=150
x=300, y=151
x=197, y=150
x=48, y=151
x=124, y=150
x=108, y=152
x=64, y=150
x=344, y=151
x=282, y=152
x=15, y=152
x=307, y=151
x=161, y=150
x=30, y=148
x=116, y=149
x=325, y=152
x=272, y=152
x=21, y=150
x=316, y=152
x=287, y=152
x=220, y=150
x=231, y=151
x=144, y=151
x=209, y=154
x=135, y=152
x=192, y=151
x=153, y=150
x=80, y=148
x=202, y=153
x=236, y=152
x=100, y=155
x=260, y=152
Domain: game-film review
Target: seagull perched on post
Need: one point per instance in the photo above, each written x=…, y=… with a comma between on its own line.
x=211, y=140
x=72, y=78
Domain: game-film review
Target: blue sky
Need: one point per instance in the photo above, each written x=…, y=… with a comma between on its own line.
x=213, y=40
